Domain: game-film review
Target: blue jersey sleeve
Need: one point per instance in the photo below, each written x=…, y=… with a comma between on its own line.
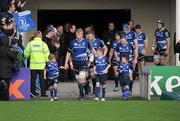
x=167, y=34
x=145, y=36
x=101, y=42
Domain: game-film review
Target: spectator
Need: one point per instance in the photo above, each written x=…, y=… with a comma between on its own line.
x=109, y=35
x=19, y=50
x=10, y=10
x=62, y=50
x=11, y=1
x=18, y=4
x=38, y=52
x=6, y=62
x=51, y=32
x=131, y=25
x=63, y=45
x=87, y=29
x=66, y=27
x=71, y=34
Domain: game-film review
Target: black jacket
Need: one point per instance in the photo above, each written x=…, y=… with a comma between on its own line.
x=48, y=41
x=108, y=36
x=69, y=36
x=6, y=58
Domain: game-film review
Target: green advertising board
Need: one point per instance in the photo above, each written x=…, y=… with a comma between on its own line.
x=164, y=79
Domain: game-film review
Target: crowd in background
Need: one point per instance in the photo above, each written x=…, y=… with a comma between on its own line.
x=11, y=48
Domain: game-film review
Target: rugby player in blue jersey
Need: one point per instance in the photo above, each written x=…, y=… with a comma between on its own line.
x=101, y=66
x=161, y=43
x=95, y=44
x=142, y=47
x=125, y=48
x=114, y=59
x=77, y=57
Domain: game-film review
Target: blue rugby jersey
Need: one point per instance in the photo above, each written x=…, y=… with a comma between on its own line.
x=161, y=38
x=101, y=63
x=52, y=70
x=80, y=49
x=124, y=50
x=97, y=43
x=125, y=68
x=130, y=37
x=141, y=37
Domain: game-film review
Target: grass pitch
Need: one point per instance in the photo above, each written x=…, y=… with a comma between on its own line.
x=90, y=111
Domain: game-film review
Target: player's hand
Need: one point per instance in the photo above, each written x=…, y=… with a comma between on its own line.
x=153, y=48
x=57, y=45
x=66, y=66
x=61, y=67
x=120, y=71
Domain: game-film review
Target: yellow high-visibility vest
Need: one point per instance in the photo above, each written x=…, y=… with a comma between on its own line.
x=38, y=52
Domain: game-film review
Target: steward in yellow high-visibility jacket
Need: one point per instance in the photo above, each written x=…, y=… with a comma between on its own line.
x=38, y=52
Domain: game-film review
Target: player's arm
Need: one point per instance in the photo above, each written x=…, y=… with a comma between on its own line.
x=68, y=56
x=145, y=46
x=135, y=49
x=93, y=51
x=168, y=45
x=111, y=54
x=103, y=45
x=95, y=70
x=116, y=54
x=168, y=42
x=108, y=66
x=153, y=44
x=105, y=50
x=70, y=62
x=135, y=42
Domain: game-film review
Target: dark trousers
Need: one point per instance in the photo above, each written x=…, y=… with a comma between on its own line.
x=4, y=91
x=34, y=74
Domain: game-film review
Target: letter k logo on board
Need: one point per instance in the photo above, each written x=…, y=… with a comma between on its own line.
x=155, y=85
x=14, y=89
